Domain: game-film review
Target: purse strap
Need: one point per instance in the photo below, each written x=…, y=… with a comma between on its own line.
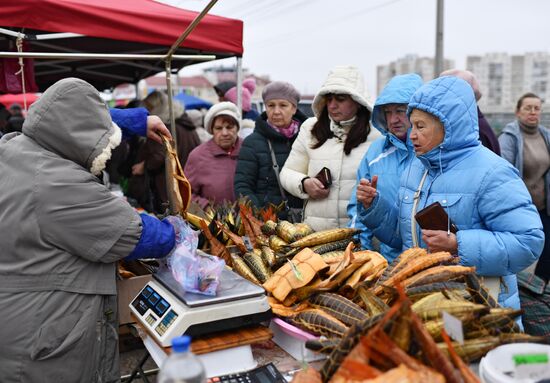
x=276, y=169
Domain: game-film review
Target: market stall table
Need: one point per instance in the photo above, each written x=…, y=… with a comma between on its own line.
x=251, y=347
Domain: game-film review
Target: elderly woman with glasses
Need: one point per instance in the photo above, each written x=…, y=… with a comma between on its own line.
x=336, y=139
x=526, y=145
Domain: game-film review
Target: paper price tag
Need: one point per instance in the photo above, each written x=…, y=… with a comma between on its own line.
x=295, y=270
x=453, y=326
x=531, y=366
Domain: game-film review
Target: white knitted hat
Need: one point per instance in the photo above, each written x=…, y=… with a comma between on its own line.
x=225, y=108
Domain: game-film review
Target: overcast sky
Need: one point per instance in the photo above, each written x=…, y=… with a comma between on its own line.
x=300, y=40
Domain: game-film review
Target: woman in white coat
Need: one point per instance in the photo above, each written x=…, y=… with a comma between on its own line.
x=336, y=138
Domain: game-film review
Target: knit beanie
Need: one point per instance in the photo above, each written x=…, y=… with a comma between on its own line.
x=281, y=90
x=342, y=80
x=225, y=108
x=223, y=87
x=249, y=86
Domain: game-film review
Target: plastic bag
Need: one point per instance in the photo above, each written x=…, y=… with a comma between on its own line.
x=196, y=271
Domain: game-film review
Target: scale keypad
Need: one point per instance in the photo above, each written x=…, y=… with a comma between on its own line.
x=166, y=322
x=150, y=319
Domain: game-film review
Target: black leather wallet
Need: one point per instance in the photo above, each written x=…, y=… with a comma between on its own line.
x=434, y=217
x=325, y=177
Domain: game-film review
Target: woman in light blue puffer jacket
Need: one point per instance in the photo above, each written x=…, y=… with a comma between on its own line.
x=389, y=156
x=500, y=232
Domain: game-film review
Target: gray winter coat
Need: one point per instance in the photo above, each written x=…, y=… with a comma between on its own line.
x=511, y=149
x=61, y=232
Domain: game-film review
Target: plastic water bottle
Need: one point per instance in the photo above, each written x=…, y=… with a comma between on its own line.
x=182, y=366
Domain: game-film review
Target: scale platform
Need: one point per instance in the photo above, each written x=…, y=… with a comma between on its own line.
x=166, y=311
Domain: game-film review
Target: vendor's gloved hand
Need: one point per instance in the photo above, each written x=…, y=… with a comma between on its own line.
x=180, y=227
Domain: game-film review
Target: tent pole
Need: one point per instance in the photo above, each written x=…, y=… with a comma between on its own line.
x=168, y=65
x=169, y=91
x=190, y=28
x=240, y=84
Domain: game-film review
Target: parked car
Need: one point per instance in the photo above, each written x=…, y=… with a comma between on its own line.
x=303, y=105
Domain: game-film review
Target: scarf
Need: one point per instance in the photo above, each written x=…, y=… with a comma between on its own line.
x=289, y=131
x=341, y=129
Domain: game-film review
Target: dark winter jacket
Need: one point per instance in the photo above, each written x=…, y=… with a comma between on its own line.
x=487, y=137
x=255, y=176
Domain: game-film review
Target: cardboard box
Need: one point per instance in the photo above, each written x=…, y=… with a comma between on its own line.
x=129, y=288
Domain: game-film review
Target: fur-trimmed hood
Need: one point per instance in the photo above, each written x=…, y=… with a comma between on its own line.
x=71, y=120
x=343, y=80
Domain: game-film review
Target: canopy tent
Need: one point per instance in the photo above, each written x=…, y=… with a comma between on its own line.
x=20, y=98
x=192, y=102
x=106, y=26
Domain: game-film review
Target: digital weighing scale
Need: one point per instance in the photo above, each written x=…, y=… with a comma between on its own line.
x=166, y=311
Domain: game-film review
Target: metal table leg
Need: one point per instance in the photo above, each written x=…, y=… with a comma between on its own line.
x=139, y=372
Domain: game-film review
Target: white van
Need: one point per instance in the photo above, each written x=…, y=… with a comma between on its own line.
x=303, y=105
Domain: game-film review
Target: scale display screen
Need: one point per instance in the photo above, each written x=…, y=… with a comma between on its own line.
x=150, y=299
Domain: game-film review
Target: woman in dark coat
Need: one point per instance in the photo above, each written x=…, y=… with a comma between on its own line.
x=255, y=176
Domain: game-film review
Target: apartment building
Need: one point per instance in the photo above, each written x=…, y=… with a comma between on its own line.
x=410, y=63
x=503, y=78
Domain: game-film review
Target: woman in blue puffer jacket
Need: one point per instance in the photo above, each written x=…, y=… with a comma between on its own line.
x=389, y=156
x=500, y=232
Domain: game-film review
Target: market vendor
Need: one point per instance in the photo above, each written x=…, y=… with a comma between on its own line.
x=500, y=232
x=62, y=233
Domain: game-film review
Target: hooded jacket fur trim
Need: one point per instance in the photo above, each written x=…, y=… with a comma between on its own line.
x=98, y=164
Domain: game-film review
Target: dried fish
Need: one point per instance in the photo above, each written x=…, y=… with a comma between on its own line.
x=339, y=307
